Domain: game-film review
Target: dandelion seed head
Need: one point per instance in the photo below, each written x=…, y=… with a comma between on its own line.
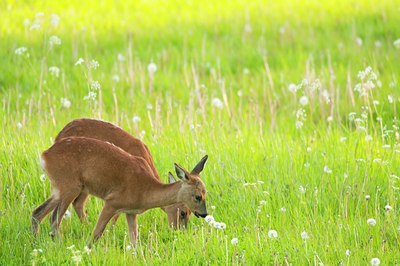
x=120, y=57
x=327, y=170
x=136, y=119
x=54, y=40
x=65, y=103
x=19, y=125
x=348, y=253
x=80, y=61
x=375, y=262
x=54, y=71
x=234, y=241
x=272, y=234
x=371, y=222
x=396, y=43
x=293, y=88
x=217, y=103
x=152, y=68
x=21, y=50
x=388, y=208
x=93, y=64
x=304, y=235
x=303, y=100
x=54, y=20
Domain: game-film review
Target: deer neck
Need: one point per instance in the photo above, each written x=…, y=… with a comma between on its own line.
x=163, y=195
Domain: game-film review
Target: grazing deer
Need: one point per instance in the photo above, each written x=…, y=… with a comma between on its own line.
x=178, y=214
x=125, y=183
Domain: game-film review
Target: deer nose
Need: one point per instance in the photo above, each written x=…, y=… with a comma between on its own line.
x=203, y=215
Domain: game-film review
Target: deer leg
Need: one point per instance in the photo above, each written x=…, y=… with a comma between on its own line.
x=132, y=226
x=79, y=205
x=40, y=212
x=58, y=213
x=114, y=219
x=106, y=214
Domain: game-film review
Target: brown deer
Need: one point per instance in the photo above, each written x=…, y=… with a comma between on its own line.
x=125, y=182
x=178, y=214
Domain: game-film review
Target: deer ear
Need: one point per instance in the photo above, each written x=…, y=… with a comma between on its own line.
x=171, y=178
x=181, y=173
x=199, y=167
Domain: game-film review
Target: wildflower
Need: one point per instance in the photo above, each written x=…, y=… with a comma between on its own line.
x=347, y=253
x=329, y=118
x=371, y=222
x=152, y=68
x=307, y=164
x=359, y=41
x=93, y=64
x=327, y=170
x=246, y=71
x=303, y=100
x=367, y=197
x=35, y=25
x=54, y=40
x=212, y=207
x=283, y=209
x=54, y=20
x=378, y=44
x=368, y=138
x=91, y=96
x=293, y=88
x=388, y=208
x=42, y=177
x=342, y=139
x=219, y=226
x=54, y=71
x=304, y=235
x=80, y=61
x=65, y=103
x=87, y=250
x=375, y=262
x=209, y=218
x=263, y=202
x=136, y=119
x=115, y=78
x=128, y=247
x=396, y=43
x=67, y=214
x=272, y=234
x=95, y=85
x=120, y=57
x=19, y=125
x=217, y=103
x=77, y=258
x=240, y=93
x=21, y=50
x=234, y=241
x=71, y=247
x=390, y=98
x=302, y=189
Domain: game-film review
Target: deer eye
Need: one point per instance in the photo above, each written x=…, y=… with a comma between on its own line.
x=183, y=214
x=198, y=198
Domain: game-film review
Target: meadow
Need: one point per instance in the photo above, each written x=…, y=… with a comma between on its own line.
x=295, y=102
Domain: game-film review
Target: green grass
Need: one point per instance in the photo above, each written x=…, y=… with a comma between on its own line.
x=256, y=153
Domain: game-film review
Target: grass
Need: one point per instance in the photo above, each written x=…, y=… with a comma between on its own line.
x=263, y=173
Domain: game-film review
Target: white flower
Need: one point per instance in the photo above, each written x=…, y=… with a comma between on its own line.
x=234, y=241
x=302, y=189
x=65, y=103
x=342, y=139
x=93, y=64
x=367, y=197
x=95, y=85
x=91, y=96
x=87, y=250
x=42, y=177
x=368, y=138
x=67, y=214
x=388, y=208
x=283, y=209
x=152, y=68
x=115, y=78
x=54, y=71
x=390, y=98
x=209, y=218
x=240, y=93
x=304, y=235
x=71, y=247
x=359, y=41
x=35, y=25
x=303, y=100
x=217, y=103
x=246, y=71
x=77, y=258
x=378, y=44
x=128, y=247
x=308, y=149
x=327, y=170
x=222, y=226
x=371, y=222
x=293, y=87
x=120, y=57
x=396, y=43
x=272, y=234
x=80, y=61
x=19, y=125
x=21, y=50
x=136, y=119
x=54, y=20
x=347, y=253
x=212, y=207
x=263, y=202
x=375, y=262
x=54, y=40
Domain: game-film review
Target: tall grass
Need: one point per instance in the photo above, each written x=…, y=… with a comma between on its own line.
x=295, y=103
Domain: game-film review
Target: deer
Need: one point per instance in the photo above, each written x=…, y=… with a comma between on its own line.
x=124, y=182
x=177, y=214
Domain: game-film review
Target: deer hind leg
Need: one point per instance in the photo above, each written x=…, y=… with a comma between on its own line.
x=65, y=200
x=132, y=226
x=79, y=205
x=40, y=212
x=106, y=214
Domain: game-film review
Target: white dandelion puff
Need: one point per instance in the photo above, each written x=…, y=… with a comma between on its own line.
x=217, y=103
x=359, y=41
x=152, y=68
x=120, y=57
x=303, y=100
x=91, y=96
x=54, y=40
x=209, y=218
x=80, y=61
x=136, y=119
x=95, y=85
x=348, y=253
x=272, y=234
x=42, y=177
x=293, y=88
x=19, y=125
x=396, y=43
x=304, y=235
x=327, y=170
x=367, y=197
x=234, y=241
x=54, y=20
x=54, y=71
x=65, y=103
x=375, y=261
x=93, y=64
x=388, y=208
x=21, y=50
x=371, y=222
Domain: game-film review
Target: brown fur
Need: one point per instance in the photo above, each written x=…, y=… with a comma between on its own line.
x=178, y=214
x=125, y=183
